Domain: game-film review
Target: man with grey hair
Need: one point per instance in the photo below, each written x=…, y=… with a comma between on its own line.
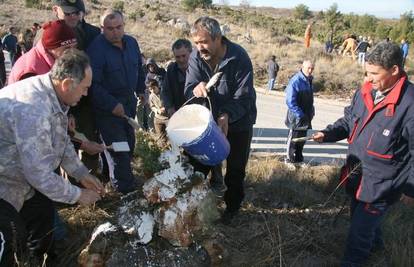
x=118, y=78
x=172, y=92
x=379, y=126
x=33, y=143
x=233, y=101
x=299, y=100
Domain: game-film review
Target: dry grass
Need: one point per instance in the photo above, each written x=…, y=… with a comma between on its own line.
x=285, y=220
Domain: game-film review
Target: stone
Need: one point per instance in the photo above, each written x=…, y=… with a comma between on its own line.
x=192, y=212
x=167, y=183
x=178, y=203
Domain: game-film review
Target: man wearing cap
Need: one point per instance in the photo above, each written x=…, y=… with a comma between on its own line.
x=73, y=12
x=33, y=143
x=118, y=78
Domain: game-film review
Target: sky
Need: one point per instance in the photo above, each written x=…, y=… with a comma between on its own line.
x=378, y=8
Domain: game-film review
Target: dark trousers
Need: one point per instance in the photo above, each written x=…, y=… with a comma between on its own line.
x=28, y=230
x=236, y=168
x=3, y=75
x=85, y=123
x=116, y=129
x=364, y=233
x=294, y=149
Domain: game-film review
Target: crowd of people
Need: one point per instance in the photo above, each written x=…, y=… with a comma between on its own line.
x=80, y=80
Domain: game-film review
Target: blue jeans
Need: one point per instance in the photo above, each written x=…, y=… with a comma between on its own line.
x=361, y=58
x=364, y=233
x=270, y=84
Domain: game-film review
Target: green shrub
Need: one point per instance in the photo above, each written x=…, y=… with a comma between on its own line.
x=301, y=11
x=119, y=5
x=136, y=14
x=148, y=151
x=193, y=4
x=33, y=3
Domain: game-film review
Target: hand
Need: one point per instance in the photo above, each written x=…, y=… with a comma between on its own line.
x=318, y=137
x=71, y=123
x=91, y=182
x=171, y=111
x=119, y=110
x=88, y=197
x=223, y=123
x=200, y=90
x=409, y=201
x=92, y=148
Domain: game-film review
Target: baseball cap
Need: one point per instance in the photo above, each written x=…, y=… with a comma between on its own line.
x=69, y=6
x=57, y=34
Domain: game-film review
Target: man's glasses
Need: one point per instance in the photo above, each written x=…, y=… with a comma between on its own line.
x=74, y=13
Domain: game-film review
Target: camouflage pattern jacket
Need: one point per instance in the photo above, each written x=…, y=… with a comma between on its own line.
x=34, y=142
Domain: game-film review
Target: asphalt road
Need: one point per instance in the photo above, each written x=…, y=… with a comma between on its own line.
x=270, y=132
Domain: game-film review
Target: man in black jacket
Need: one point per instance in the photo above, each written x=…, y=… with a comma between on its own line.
x=379, y=126
x=233, y=100
x=172, y=92
x=81, y=116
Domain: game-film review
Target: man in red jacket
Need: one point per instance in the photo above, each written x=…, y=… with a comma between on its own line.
x=379, y=126
x=56, y=38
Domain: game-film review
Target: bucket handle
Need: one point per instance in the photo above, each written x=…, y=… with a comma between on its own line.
x=208, y=100
x=212, y=82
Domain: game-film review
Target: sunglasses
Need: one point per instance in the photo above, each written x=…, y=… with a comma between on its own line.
x=74, y=13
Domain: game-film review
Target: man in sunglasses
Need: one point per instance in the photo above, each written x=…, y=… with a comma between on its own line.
x=73, y=12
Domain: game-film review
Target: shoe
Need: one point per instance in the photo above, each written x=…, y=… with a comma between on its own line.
x=228, y=216
x=218, y=188
x=217, y=181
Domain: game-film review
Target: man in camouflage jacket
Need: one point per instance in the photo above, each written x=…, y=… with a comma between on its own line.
x=33, y=143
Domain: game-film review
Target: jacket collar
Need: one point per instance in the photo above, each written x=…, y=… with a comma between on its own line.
x=231, y=54
x=304, y=77
x=392, y=97
x=57, y=105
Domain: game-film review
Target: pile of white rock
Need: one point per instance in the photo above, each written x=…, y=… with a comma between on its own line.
x=177, y=205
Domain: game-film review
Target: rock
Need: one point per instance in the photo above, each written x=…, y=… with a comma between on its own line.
x=178, y=222
x=136, y=221
x=167, y=183
x=178, y=202
x=225, y=29
x=182, y=25
x=100, y=245
x=171, y=22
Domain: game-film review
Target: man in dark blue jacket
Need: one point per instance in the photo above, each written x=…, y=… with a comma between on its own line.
x=299, y=99
x=10, y=44
x=379, y=126
x=117, y=79
x=233, y=100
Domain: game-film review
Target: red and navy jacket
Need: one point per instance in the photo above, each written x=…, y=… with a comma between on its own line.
x=380, y=161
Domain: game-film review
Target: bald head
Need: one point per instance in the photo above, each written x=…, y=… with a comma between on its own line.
x=307, y=67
